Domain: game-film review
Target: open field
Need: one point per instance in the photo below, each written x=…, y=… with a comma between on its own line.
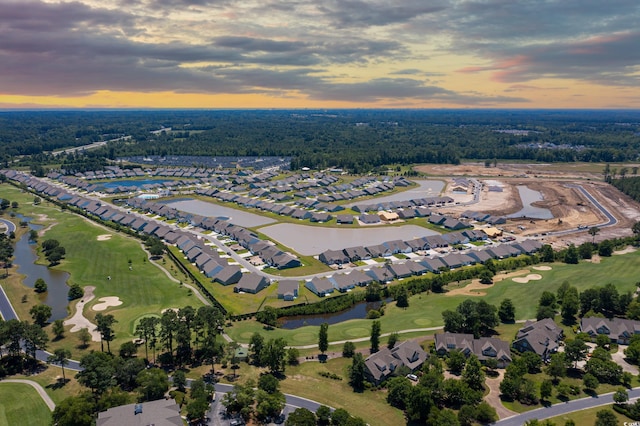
x=425, y=310
x=21, y=405
x=587, y=417
x=304, y=380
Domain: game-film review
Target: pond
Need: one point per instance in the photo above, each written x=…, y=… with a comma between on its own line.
x=310, y=240
x=133, y=183
x=529, y=196
x=425, y=188
x=357, y=311
x=56, y=296
x=202, y=208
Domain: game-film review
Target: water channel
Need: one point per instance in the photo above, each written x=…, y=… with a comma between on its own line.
x=57, y=289
x=528, y=197
x=357, y=311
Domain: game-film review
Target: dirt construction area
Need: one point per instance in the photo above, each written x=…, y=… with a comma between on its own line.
x=558, y=187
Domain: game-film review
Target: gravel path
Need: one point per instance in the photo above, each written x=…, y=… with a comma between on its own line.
x=493, y=397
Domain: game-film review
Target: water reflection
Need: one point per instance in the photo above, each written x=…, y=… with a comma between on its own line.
x=357, y=311
x=529, y=196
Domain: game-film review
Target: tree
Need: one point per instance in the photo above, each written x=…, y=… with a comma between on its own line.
x=179, y=380
x=593, y=231
x=268, y=316
x=585, y=250
x=58, y=328
x=147, y=330
x=571, y=255
x=605, y=248
x=61, y=357
x=75, y=411
x=548, y=299
x=323, y=337
x=197, y=409
x=323, y=414
x=292, y=356
x=472, y=374
x=590, y=381
x=546, y=389
x=153, y=383
x=84, y=336
x=402, y=297
x=105, y=328
x=507, y=312
x=636, y=229
x=274, y=354
x=557, y=366
x=485, y=414
x=545, y=312
x=357, y=370
x=301, y=417
x=547, y=254
x=75, y=292
x=375, y=336
x=33, y=235
x=97, y=372
x=128, y=349
x=606, y=418
x=392, y=340
x=268, y=383
x=621, y=396
x=398, y=391
x=256, y=344
x=348, y=349
x=570, y=305
x=632, y=352
x=575, y=350
x=40, y=314
x=456, y=361
x=40, y=286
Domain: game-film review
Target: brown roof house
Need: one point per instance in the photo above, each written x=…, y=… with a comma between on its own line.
x=541, y=337
x=484, y=348
x=383, y=364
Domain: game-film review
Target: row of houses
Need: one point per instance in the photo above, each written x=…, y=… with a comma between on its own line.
x=323, y=286
x=405, y=204
x=484, y=217
x=207, y=259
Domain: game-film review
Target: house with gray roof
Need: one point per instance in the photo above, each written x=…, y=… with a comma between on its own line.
x=228, y=274
x=384, y=363
x=333, y=257
x=400, y=270
x=619, y=330
x=288, y=289
x=320, y=286
x=382, y=274
x=484, y=347
x=357, y=253
x=162, y=412
x=433, y=264
x=541, y=337
x=251, y=283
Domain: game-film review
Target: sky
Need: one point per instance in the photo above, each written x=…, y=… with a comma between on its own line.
x=320, y=54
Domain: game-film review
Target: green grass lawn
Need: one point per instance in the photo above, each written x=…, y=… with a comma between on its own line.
x=425, y=310
x=145, y=289
x=588, y=417
x=21, y=405
x=304, y=380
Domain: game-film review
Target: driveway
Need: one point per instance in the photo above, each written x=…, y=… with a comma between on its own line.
x=618, y=358
x=493, y=397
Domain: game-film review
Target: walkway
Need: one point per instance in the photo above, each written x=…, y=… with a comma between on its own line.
x=43, y=394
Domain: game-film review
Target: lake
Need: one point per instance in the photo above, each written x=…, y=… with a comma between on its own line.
x=57, y=290
x=312, y=240
x=357, y=311
x=425, y=188
x=133, y=183
x=529, y=196
x=202, y=208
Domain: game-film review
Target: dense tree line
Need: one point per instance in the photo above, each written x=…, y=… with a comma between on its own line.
x=358, y=140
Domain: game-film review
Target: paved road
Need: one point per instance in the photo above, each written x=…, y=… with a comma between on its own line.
x=564, y=408
x=11, y=227
x=43, y=394
x=611, y=220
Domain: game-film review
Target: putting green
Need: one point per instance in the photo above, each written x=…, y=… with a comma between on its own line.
x=357, y=331
x=137, y=321
x=423, y=321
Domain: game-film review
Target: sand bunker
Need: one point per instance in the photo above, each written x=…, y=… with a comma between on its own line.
x=107, y=302
x=542, y=268
x=629, y=249
x=476, y=288
x=173, y=309
x=530, y=277
x=78, y=320
x=104, y=237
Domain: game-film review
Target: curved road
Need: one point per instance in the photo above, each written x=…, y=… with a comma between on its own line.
x=611, y=220
x=11, y=227
x=564, y=408
x=43, y=394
